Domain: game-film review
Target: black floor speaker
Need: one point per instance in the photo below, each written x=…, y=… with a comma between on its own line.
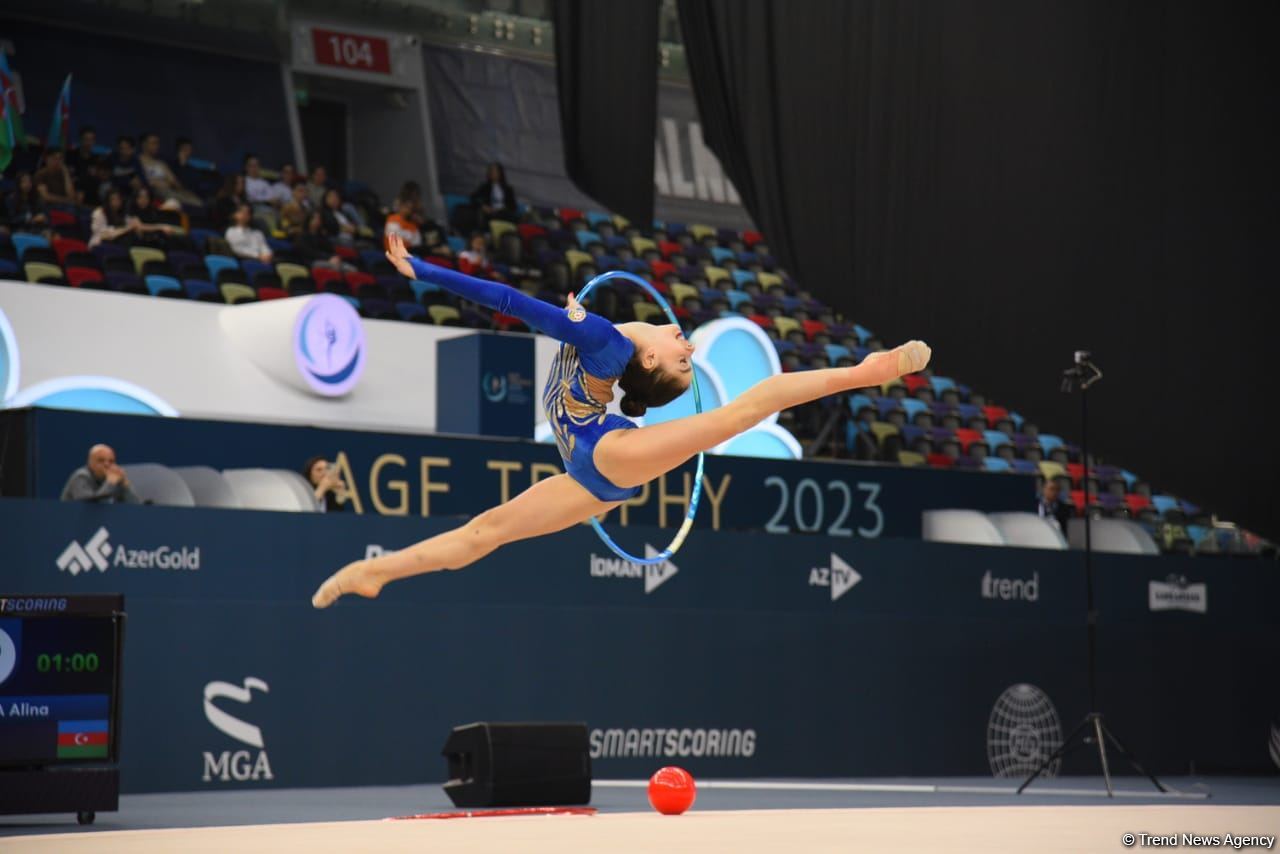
x=518, y=765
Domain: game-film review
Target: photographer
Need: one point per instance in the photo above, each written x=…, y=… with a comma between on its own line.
x=326, y=484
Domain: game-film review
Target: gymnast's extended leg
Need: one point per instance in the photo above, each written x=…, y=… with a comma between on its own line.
x=546, y=507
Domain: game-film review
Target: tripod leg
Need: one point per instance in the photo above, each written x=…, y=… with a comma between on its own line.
x=1115, y=742
x=1102, y=754
x=1053, y=757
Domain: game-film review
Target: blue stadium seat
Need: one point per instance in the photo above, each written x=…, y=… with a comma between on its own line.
x=1048, y=442
x=858, y=402
x=1164, y=503
x=586, y=238
x=940, y=384
x=457, y=244
x=160, y=284
x=995, y=464
x=1025, y=467
x=23, y=241
x=199, y=288
x=594, y=218
x=913, y=407
x=410, y=311
x=217, y=263
x=201, y=238
x=835, y=352
x=737, y=298
x=741, y=277
x=253, y=267
x=420, y=287
x=995, y=438
x=719, y=253
x=863, y=333
x=452, y=200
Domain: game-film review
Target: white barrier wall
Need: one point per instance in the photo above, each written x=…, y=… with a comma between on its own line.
x=203, y=360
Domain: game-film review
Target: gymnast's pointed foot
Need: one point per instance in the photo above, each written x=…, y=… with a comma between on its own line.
x=356, y=577
x=912, y=356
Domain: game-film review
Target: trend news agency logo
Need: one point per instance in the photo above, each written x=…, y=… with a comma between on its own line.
x=76, y=558
x=239, y=765
x=839, y=576
x=329, y=345
x=1022, y=732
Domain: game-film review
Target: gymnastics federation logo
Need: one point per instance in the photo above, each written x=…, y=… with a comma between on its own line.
x=494, y=387
x=76, y=558
x=239, y=765
x=1022, y=732
x=329, y=345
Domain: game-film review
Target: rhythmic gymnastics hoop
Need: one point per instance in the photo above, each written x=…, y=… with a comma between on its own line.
x=678, y=541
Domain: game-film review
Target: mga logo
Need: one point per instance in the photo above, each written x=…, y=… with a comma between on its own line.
x=840, y=577
x=654, y=575
x=1176, y=594
x=76, y=558
x=239, y=765
x=329, y=345
x=99, y=554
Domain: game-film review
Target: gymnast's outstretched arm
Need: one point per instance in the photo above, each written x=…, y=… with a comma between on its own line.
x=590, y=333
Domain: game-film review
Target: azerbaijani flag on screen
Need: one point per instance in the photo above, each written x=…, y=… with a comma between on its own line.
x=59, y=128
x=82, y=739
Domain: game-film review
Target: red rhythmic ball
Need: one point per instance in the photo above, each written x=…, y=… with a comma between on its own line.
x=671, y=790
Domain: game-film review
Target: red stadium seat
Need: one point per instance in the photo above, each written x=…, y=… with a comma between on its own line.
x=440, y=261
x=751, y=238
x=508, y=322
x=267, y=293
x=76, y=276
x=967, y=437
x=346, y=252
x=761, y=320
x=64, y=246
x=357, y=280
x=1137, y=502
x=568, y=215
x=669, y=248
x=58, y=218
x=813, y=327
x=1077, y=498
x=994, y=415
x=940, y=461
x=323, y=276
x=915, y=382
x=529, y=230
x=1076, y=471
x=661, y=269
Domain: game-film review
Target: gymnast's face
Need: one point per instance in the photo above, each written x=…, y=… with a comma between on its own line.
x=673, y=353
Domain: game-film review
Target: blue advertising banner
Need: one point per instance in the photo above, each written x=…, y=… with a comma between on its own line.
x=750, y=655
x=431, y=475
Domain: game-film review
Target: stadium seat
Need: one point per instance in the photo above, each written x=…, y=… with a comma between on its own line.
x=64, y=246
x=575, y=258
x=326, y=276
x=411, y=311
x=199, y=289
x=910, y=458
x=80, y=276
x=587, y=238
x=647, y=312
x=1049, y=442
x=768, y=280
x=217, y=263
x=267, y=292
x=40, y=271
x=719, y=254
x=640, y=245
x=287, y=272
x=159, y=285
x=996, y=464
x=701, y=231
x=142, y=254
x=234, y=292
x=715, y=275
x=23, y=241
x=442, y=315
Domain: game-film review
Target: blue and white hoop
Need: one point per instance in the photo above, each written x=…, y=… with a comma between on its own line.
x=678, y=541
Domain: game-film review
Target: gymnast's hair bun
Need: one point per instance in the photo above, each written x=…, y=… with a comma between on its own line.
x=631, y=407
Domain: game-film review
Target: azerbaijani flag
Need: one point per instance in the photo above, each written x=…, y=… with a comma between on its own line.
x=82, y=739
x=12, y=134
x=6, y=135
x=59, y=128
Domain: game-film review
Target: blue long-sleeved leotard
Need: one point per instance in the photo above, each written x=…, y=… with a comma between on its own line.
x=592, y=355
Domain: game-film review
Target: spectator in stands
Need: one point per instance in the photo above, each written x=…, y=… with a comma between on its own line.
x=202, y=182
x=327, y=486
x=495, y=199
x=93, y=181
x=318, y=185
x=294, y=216
x=315, y=247
x=54, y=183
x=79, y=159
x=100, y=481
x=245, y=240
x=337, y=224
x=402, y=223
x=261, y=192
x=110, y=222
x=160, y=178
x=126, y=171
x=288, y=177
x=231, y=196
x=149, y=227
x=24, y=209
x=474, y=261
x=1050, y=507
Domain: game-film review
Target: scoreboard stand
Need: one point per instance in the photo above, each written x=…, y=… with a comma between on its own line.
x=60, y=665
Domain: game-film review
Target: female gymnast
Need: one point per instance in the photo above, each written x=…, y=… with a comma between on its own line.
x=607, y=459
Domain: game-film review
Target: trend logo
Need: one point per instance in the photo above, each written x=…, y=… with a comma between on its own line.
x=840, y=577
x=1022, y=732
x=329, y=345
x=76, y=558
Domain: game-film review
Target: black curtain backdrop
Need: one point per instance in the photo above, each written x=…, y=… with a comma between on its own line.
x=1013, y=181
x=607, y=71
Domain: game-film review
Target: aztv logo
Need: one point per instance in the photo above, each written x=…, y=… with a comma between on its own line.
x=839, y=576
x=239, y=765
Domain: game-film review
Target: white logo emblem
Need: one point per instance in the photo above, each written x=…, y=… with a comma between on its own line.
x=8, y=655
x=239, y=765
x=76, y=558
x=1022, y=732
x=840, y=577
x=654, y=575
x=1021, y=589
x=1175, y=594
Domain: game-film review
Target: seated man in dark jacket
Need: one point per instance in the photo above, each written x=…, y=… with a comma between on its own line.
x=101, y=480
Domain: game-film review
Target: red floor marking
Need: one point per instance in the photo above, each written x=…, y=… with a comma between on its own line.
x=500, y=813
